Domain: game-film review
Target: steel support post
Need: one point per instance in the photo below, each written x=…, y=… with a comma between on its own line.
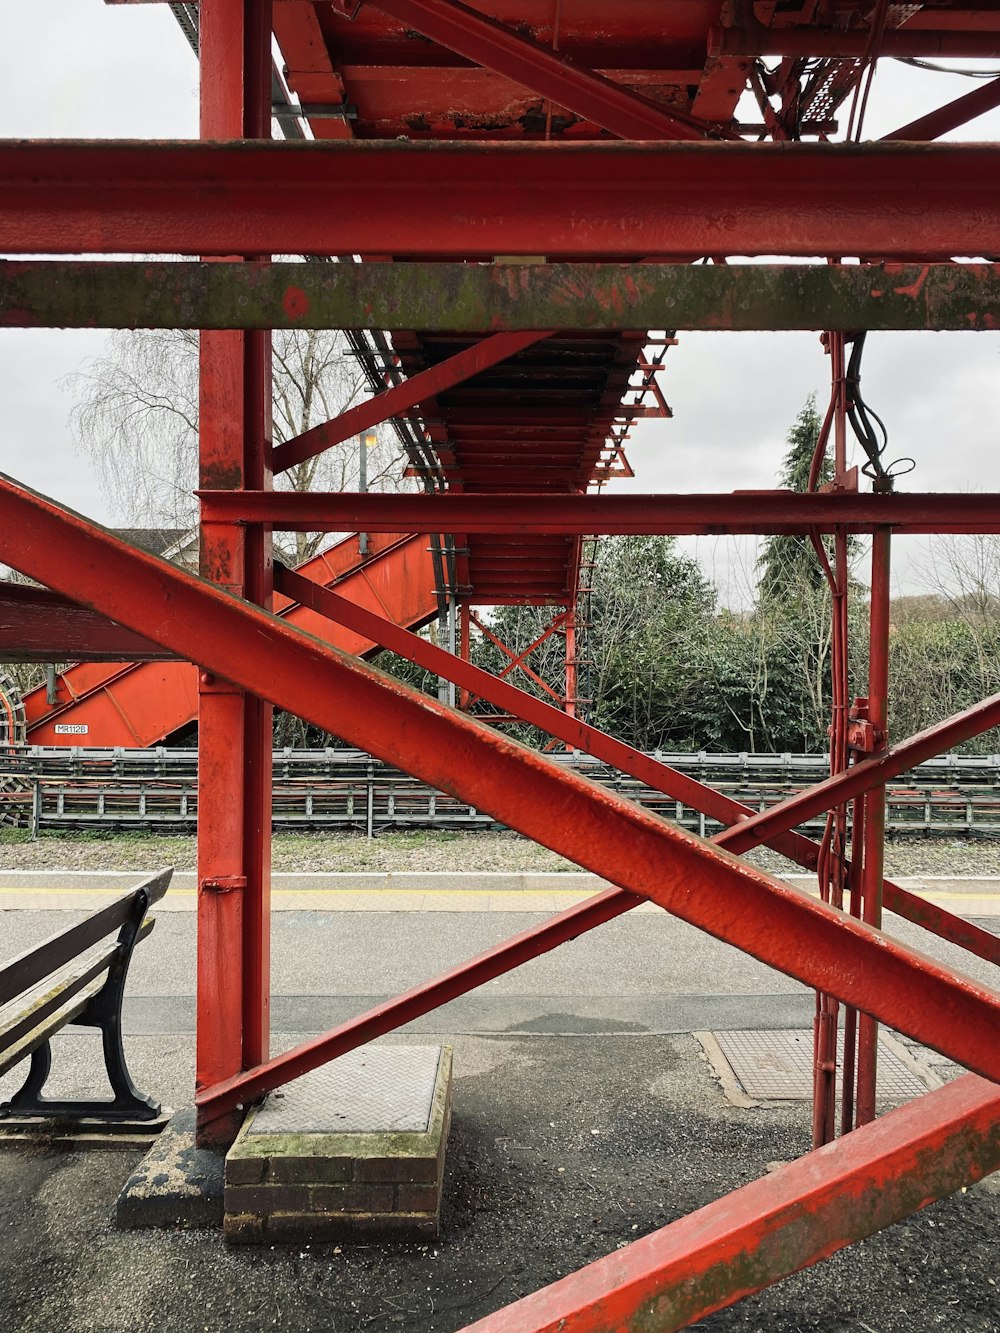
x=464, y=650
x=569, y=629
x=874, y=808
x=234, y=727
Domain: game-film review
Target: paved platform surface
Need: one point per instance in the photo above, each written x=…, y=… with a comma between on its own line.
x=584, y=1116
x=562, y=1149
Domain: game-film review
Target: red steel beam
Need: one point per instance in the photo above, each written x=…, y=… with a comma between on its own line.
x=41, y=626
x=440, y=200
x=494, y=46
x=951, y=115
x=777, y=1225
x=599, y=830
x=550, y=514
x=402, y=397
x=753, y=39
x=471, y=298
x=472, y=680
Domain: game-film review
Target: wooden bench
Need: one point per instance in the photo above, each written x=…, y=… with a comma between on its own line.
x=77, y=976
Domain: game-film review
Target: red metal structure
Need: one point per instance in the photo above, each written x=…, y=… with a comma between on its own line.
x=515, y=253
x=143, y=702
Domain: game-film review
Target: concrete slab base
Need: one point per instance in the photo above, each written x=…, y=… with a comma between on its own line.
x=355, y=1149
x=177, y=1184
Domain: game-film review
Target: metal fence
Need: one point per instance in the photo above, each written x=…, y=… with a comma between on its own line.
x=79, y=788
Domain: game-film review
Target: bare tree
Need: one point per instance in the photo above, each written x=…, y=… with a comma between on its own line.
x=136, y=415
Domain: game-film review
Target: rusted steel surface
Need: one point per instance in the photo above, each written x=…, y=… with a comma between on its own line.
x=442, y=200
x=486, y=297
x=41, y=626
x=498, y=47
x=738, y=512
x=789, y=1219
x=597, y=829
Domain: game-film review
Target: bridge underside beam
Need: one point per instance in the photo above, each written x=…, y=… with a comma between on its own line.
x=471, y=298
x=754, y=512
x=457, y=200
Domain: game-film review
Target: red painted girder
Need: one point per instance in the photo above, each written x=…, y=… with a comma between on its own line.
x=894, y=200
x=655, y=774
x=594, y=827
x=41, y=626
x=950, y=116
x=751, y=39
x=777, y=1225
x=549, y=73
x=138, y=704
x=402, y=397
x=310, y=73
x=499, y=513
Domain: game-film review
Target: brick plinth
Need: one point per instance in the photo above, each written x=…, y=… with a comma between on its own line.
x=316, y=1183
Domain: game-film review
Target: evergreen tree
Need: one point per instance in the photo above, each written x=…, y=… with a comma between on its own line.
x=787, y=563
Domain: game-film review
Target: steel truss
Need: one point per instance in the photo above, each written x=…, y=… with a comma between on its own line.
x=243, y=201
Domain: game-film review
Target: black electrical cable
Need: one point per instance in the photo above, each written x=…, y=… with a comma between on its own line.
x=948, y=69
x=864, y=421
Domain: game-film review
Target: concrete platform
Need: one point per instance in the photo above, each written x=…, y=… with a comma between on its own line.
x=354, y=1149
x=563, y=1150
x=177, y=1184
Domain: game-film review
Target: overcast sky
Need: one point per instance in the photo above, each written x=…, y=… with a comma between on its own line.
x=81, y=69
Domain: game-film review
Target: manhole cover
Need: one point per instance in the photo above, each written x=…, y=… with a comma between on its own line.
x=777, y=1066
x=373, y=1090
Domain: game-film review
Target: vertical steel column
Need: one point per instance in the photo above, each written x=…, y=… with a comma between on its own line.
x=464, y=650
x=832, y=853
x=234, y=780
x=571, y=672
x=874, y=833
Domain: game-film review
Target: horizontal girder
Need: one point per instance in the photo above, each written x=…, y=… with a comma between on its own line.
x=460, y=200
x=478, y=297
x=758, y=512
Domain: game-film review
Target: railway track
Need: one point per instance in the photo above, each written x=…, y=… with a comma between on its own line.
x=80, y=788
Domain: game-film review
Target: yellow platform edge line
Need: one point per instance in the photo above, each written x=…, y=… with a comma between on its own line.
x=42, y=892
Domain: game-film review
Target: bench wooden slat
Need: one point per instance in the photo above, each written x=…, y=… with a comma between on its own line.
x=64, y=1011
x=30, y=968
x=21, y=1032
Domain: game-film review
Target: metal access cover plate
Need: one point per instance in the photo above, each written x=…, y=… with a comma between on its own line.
x=778, y=1066
x=374, y=1090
